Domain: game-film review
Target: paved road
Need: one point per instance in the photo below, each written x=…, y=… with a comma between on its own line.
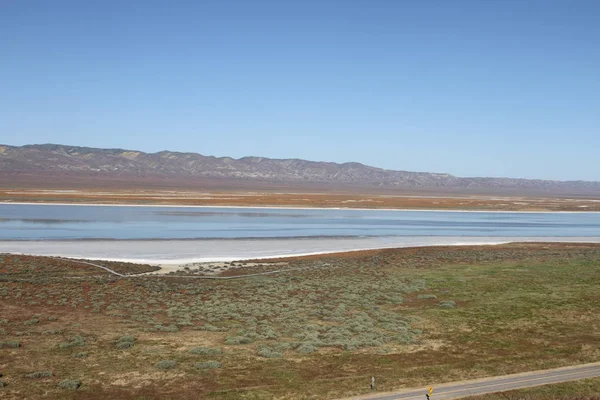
x=491, y=385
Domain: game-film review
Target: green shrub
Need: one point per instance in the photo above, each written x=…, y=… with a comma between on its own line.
x=447, y=304
x=76, y=341
x=210, y=351
x=207, y=365
x=3, y=384
x=124, y=345
x=125, y=342
x=268, y=352
x=70, y=384
x=170, y=328
x=236, y=340
x=39, y=374
x=52, y=332
x=166, y=364
x=33, y=321
x=10, y=345
x=427, y=297
x=80, y=355
x=306, y=348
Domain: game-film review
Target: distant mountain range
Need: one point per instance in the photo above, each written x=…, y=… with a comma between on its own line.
x=60, y=165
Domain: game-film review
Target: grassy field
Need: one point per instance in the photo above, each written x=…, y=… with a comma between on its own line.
x=588, y=389
x=410, y=317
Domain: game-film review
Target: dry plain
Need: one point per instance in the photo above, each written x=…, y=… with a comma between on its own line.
x=376, y=200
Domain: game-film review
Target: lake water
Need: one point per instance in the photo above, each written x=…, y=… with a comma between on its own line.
x=194, y=233
x=58, y=222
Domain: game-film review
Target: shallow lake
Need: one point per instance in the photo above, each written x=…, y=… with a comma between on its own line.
x=174, y=235
x=63, y=222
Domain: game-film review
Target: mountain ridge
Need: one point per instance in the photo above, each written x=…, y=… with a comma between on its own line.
x=123, y=164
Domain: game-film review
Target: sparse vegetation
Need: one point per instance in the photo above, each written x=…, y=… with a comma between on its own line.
x=166, y=364
x=447, y=304
x=69, y=384
x=39, y=374
x=125, y=342
x=209, y=351
x=10, y=345
x=378, y=311
x=207, y=365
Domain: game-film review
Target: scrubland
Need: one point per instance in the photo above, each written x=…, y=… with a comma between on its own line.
x=318, y=329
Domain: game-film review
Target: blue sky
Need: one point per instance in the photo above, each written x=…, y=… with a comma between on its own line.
x=472, y=88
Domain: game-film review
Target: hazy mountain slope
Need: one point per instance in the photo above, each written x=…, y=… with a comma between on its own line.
x=124, y=165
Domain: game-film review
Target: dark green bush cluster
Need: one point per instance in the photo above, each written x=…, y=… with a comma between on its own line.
x=69, y=384
x=76, y=341
x=166, y=364
x=447, y=304
x=39, y=375
x=125, y=342
x=32, y=321
x=237, y=340
x=268, y=352
x=10, y=345
x=209, y=351
x=53, y=332
x=163, y=328
x=207, y=365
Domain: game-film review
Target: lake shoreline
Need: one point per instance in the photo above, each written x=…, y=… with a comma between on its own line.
x=181, y=252
x=276, y=207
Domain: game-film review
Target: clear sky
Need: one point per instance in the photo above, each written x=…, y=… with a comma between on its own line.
x=472, y=88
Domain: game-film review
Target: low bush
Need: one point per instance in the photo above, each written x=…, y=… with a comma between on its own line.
x=124, y=345
x=80, y=355
x=166, y=364
x=236, y=340
x=306, y=348
x=427, y=297
x=170, y=328
x=10, y=345
x=125, y=342
x=3, y=384
x=69, y=384
x=447, y=304
x=268, y=352
x=39, y=375
x=76, y=341
x=207, y=365
x=52, y=332
x=210, y=351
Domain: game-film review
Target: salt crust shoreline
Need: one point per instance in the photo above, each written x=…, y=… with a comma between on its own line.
x=270, y=253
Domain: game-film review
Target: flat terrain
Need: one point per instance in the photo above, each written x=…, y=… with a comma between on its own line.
x=318, y=329
x=495, y=385
x=309, y=199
